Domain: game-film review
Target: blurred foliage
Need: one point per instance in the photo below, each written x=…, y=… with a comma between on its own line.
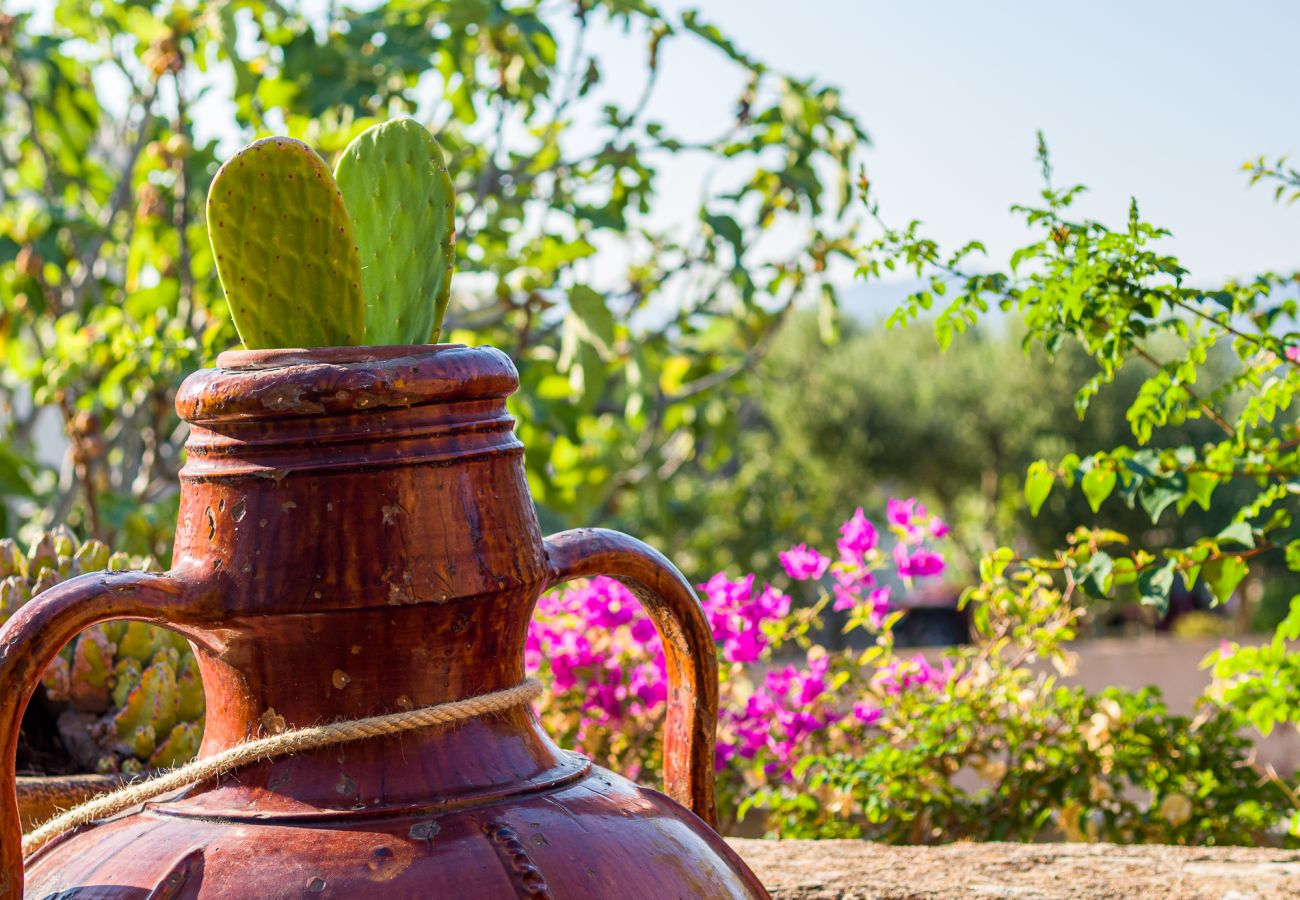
x=879, y=414
x=108, y=294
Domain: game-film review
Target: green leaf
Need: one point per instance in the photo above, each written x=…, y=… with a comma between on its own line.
x=828, y=315
x=593, y=318
x=1124, y=571
x=1158, y=494
x=1222, y=575
x=1155, y=583
x=726, y=228
x=15, y=474
x=1293, y=556
x=1097, y=484
x=1038, y=484
x=1240, y=533
x=1094, y=575
x=1200, y=486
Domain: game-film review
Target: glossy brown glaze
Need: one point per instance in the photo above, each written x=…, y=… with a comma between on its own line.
x=356, y=537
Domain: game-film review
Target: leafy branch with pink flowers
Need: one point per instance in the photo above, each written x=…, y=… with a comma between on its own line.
x=895, y=744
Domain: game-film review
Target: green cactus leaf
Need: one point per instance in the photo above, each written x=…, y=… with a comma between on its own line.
x=154, y=703
x=46, y=580
x=12, y=561
x=92, y=662
x=57, y=679
x=14, y=592
x=399, y=194
x=126, y=677
x=140, y=642
x=93, y=556
x=189, y=685
x=179, y=747
x=285, y=249
x=141, y=741
x=65, y=542
x=42, y=555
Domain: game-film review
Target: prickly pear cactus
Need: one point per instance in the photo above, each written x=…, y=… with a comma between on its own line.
x=397, y=189
x=285, y=249
x=127, y=695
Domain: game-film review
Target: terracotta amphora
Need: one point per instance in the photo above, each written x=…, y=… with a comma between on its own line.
x=356, y=537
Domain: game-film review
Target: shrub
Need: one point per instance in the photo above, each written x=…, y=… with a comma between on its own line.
x=899, y=746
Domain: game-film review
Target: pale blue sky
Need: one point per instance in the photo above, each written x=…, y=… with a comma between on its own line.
x=1164, y=100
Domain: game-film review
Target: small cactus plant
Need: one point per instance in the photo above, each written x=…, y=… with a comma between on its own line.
x=126, y=695
x=362, y=256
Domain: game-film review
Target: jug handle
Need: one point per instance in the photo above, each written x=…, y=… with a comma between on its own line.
x=30, y=640
x=690, y=730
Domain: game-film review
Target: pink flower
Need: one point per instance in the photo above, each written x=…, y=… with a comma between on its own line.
x=744, y=647
x=643, y=630
x=802, y=563
x=879, y=606
x=849, y=586
x=857, y=537
x=919, y=563
x=915, y=672
x=736, y=615
x=1293, y=353
x=771, y=604
x=899, y=513
x=867, y=714
x=911, y=519
x=776, y=721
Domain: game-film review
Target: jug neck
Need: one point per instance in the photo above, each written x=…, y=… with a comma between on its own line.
x=355, y=478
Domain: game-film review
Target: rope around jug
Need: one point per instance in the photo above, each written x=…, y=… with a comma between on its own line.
x=284, y=744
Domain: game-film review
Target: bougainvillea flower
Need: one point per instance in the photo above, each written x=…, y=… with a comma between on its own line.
x=802, y=563
x=857, y=538
x=919, y=563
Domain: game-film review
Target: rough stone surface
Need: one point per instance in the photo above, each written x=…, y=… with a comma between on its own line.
x=857, y=870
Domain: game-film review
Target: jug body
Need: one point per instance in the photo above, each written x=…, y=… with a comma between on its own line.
x=356, y=537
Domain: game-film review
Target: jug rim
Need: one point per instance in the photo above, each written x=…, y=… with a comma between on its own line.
x=283, y=357
x=308, y=383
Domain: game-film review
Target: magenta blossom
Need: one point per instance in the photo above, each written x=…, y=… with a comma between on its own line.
x=919, y=563
x=879, y=606
x=779, y=717
x=1293, y=353
x=867, y=714
x=802, y=563
x=915, y=672
x=562, y=634
x=912, y=519
x=736, y=615
x=857, y=538
x=848, y=587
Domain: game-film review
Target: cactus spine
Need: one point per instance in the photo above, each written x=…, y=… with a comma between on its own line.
x=395, y=184
x=285, y=249
x=126, y=695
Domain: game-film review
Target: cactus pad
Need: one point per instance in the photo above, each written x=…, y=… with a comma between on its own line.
x=285, y=249
x=395, y=184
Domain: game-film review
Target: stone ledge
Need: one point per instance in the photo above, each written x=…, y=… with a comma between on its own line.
x=857, y=870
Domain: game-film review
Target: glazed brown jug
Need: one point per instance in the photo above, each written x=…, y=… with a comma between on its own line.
x=356, y=537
